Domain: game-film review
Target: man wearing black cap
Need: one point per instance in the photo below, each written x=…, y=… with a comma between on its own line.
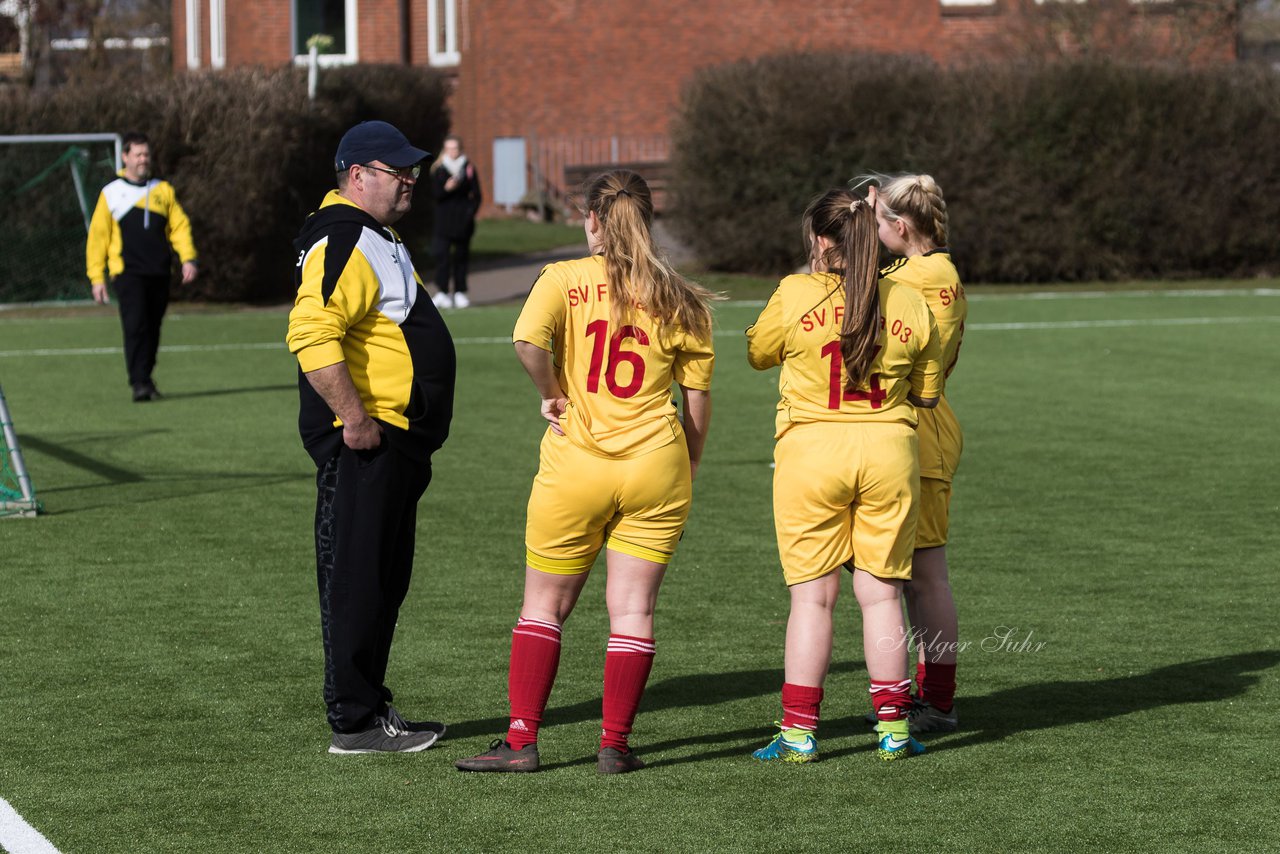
x=376, y=384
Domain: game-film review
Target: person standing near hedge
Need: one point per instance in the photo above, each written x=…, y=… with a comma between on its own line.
x=859, y=356
x=136, y=227
x=456, y=187
x=912, y=222
x=376, y=382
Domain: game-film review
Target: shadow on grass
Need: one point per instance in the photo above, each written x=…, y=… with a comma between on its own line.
x=84, y=462
x=219, y=392
x=985, y=719
x=1053, y=704
x=678, y=692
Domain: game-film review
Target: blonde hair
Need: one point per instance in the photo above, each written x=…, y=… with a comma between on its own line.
x=638, y=276
x=439, y=161
x=917, y=200
x=849, y=222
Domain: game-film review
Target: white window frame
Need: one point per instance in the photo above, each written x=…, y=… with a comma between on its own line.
x=217, y=33
x=352, y=53
x=450, y=55
x=954, y=3
x=193, y=34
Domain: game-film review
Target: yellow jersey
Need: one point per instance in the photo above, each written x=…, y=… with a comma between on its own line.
x=617, y=380
x=935, y=278
x=799, y=329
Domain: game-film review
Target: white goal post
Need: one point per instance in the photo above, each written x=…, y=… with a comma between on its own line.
x=19, y=503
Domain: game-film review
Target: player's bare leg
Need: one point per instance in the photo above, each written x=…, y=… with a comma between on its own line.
x=883, y=638
x=631, y=593
x=810, y=630
x=931, y=608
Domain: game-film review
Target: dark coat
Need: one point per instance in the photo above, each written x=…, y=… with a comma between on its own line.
x=456, y=208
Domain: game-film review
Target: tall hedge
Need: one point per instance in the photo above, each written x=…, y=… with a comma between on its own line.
x=246, y=150
x=1057, y=172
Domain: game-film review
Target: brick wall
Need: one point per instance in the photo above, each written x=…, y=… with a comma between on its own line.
x=579, y=78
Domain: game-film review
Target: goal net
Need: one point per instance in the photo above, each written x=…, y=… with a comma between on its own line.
x=17, y=496
x=48, y=188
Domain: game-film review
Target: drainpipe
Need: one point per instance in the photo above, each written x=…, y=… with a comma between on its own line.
x=405, y=55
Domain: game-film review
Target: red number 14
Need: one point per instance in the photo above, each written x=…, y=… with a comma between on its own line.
x=837, y=393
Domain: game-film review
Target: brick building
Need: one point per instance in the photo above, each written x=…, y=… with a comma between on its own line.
x=544, y=86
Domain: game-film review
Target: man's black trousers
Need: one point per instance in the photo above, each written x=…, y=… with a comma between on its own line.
x=142, y=301
x=366, y=509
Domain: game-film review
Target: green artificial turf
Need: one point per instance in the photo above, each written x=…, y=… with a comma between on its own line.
x=159, y=637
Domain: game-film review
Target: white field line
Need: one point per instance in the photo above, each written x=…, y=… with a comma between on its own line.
x=724, y=333
x=1065, y=295
x=18, y=837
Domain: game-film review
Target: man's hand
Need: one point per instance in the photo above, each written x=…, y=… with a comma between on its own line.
x=189, y=272
x=363, y=435
x=100, y=293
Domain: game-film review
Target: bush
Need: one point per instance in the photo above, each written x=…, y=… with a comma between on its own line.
x=249, y=155
x=1061, y=172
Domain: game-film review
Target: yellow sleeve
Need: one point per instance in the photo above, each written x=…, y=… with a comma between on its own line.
x=767, y=337
x=317, y=325
x=96, y=247
x=694, y=363
x=926, y=373
x=180, y=230
x=542, y=317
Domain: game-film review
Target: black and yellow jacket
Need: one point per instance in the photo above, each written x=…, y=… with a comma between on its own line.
x=133, y=228
x=361, y=302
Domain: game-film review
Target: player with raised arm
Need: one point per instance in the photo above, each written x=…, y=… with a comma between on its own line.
x=859, y=357
x=603, y=338
x=912, y=219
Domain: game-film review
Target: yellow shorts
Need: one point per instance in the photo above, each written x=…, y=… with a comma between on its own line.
x=941, y=441
x=935, y=513
x=581, y=500
x=846, y=491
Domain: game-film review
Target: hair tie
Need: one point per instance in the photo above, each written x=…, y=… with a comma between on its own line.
x=624, y=192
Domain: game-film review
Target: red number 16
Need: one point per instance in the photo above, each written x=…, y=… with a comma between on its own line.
x=599, y=331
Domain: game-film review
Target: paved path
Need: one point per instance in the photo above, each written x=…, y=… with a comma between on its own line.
x=509, y=279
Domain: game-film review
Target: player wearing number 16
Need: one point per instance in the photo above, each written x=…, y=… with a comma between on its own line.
x=603, y=338
x=858, y=355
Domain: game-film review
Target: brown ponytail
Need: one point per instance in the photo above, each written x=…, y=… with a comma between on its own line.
x=849, y=222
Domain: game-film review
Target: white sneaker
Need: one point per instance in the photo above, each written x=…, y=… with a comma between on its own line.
x=442, y=300
x=460, y=300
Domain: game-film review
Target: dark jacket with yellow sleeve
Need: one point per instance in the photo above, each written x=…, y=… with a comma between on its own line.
x=361, y=302
x=132, y=230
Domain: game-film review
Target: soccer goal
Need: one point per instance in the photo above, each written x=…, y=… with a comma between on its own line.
x=48, y=187
x=17, y=495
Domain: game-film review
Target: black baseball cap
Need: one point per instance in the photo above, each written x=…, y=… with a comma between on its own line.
x=369, y=141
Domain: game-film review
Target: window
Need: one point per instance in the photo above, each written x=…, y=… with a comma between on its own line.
x=442, y=32
x=217, y=33
x=193, y=33
x=333, y=18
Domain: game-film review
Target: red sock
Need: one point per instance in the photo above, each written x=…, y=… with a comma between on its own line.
x=938, y=687
x=891, y=700
x=627, y=663
x=921, y=670
x=535, y=657
x=800, y=706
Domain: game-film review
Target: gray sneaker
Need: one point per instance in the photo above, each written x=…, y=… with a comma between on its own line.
x=385, y=736
x=414, y=726
x=928, y=718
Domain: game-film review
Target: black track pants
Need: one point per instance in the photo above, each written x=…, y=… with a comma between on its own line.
x=366, y=509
